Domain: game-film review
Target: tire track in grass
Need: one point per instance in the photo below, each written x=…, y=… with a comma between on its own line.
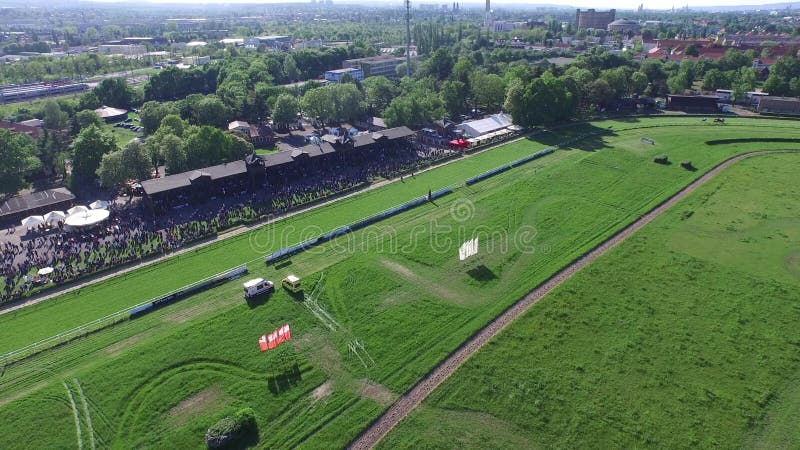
x=417, y=393
x=87, y=415
x=76, y=415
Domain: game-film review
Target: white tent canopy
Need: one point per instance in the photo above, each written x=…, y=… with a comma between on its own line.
x=86, y=219
x=32, y=221
x=98, y=204
x=76, y=209
x=45, y=271
x=54, y=216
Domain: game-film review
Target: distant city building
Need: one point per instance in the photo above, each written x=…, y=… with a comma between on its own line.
x=594, y=19
x=501, y=26
x=196, y=60
x=335, y=76
x=232, y=41
x=375, y=66
x=122, y=49
x=273, y=42
x=187, y=24
x=624, y=26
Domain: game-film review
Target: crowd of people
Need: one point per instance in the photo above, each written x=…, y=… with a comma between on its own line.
x=138, y=231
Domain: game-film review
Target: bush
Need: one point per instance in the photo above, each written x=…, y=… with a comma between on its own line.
x=237, y=431
x=663, y=159
x=687, y=165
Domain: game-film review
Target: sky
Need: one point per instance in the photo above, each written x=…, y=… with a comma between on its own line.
x=607, y=4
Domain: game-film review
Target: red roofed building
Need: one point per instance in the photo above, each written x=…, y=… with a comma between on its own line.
x=33, y=132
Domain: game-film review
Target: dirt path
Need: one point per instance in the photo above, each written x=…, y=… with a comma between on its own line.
x=414, y=396
x=58, y=291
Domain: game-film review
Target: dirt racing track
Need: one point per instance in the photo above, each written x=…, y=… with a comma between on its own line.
x=414, y=396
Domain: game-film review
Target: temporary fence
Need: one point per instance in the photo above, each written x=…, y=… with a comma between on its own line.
x=357, y=225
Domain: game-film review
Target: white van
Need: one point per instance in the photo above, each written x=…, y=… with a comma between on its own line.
x=257, y=286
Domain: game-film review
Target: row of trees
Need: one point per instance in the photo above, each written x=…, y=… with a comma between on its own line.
x=176, y=144
x=42, y=68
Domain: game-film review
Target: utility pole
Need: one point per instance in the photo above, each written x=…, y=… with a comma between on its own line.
x=408, y=38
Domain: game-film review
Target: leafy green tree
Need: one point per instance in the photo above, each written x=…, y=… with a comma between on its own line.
x=88, y=149
x=88, y=101
x=205, y=146
x=545, y=100
x=211, y=110
x=285, y=111
x=618, y=80
x=462, y=71
x=54, y=117
x=83, y=119
x=318, y=103
x=111, y=170
x=514, y=96
x=238, y=147
x=348, y=102
x=440, y=64
x=136, y=159
x=172, y=123
x=745, y=82
x=114, y=92
x=678, y=83
x=378, y=92
x=290, y=69
x=488, y=90
x=454, y=96
x=151, y=114
x=716, y=79
x=169, y=148
x=51, y=145
x=414, y=109
x=17, y=153
x=638, y=83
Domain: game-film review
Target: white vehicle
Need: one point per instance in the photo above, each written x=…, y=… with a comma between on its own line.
x=257, y=286
x=291, y=283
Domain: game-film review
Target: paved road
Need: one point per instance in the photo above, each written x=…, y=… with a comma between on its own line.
x=414, y=396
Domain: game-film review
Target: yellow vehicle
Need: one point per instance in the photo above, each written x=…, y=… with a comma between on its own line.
x=291, y=283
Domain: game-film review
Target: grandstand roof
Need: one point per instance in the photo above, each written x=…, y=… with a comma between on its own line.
x=396, y=133
x=27, y=204
x=184, y=179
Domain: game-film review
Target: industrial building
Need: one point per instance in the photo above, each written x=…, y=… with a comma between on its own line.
x=122, y=49
x=336, y=75
x=594, y=19
x=375, y=66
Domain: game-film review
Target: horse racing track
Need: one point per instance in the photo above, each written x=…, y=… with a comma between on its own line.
x=384, y=305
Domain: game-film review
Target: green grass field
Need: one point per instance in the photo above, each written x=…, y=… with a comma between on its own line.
x=398, y=298
x=684, y=336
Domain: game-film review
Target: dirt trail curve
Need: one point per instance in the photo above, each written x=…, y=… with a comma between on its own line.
x=414, y=396
x=92, y=279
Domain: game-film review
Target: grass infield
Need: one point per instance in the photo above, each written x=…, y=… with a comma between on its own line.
x=396, y=298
